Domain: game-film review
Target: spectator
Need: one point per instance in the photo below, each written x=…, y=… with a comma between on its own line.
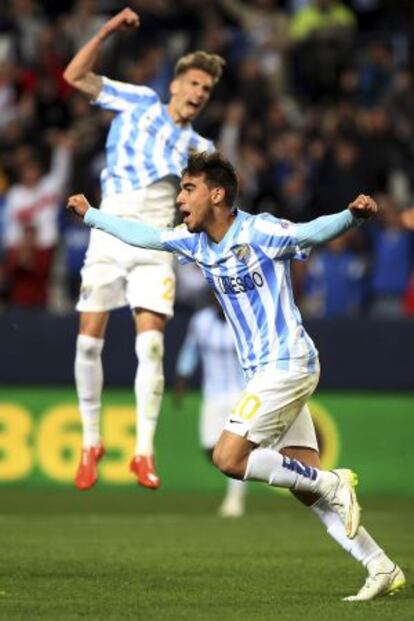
x=266, y=25
x=342, y=174
x=376, y=74
x=392, y=261
x=321, y=36
x=32, y=205
x=8, y=110
x=335, y=284
x=27, y=269
x=307, y=118
x=81, y=23
x=27, y=21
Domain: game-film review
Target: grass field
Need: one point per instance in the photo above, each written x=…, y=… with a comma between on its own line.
x=134, y=554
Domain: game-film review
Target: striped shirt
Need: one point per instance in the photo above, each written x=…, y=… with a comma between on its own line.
x=249, y=272
x=144, y=144
x=210, y=341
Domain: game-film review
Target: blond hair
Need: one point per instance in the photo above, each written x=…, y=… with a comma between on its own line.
x=210, y=63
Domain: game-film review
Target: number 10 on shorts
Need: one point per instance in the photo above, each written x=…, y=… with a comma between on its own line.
x=247, y=406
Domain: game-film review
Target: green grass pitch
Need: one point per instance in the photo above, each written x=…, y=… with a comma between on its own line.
x=135, y=554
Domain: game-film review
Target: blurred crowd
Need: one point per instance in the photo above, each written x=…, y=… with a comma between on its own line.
x=315, y=106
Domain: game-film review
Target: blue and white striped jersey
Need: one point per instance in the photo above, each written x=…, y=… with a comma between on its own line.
x=249, y=272
x=143, y=144
x=210, y=341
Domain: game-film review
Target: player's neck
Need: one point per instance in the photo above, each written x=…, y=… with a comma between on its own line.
x=176, y=117
x=217, y=227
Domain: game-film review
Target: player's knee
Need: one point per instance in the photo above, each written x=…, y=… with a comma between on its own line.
x=226, y=463
x=149, y=347
x=88, y=348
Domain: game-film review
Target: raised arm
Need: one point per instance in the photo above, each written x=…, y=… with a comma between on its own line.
x=325, y=228
x=131, y=232
x=79, y=72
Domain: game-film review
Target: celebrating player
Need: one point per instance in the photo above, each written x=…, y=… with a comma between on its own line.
x=147, y=146
x=209, y=341
x=269, y=436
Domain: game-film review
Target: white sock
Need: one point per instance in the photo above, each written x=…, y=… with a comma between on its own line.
x=363, y=547
x=236, y=489
x=265, y=464
x=149, y=387
x=89, y=383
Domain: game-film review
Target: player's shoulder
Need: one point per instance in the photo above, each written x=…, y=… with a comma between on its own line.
x=128, y=90
x=268, y=224
x=251, y=223
x=268, y=217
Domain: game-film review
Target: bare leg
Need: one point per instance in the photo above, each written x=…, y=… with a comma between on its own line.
x=231, y=454
x=93, y=324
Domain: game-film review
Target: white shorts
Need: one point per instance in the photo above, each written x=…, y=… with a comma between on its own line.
x=116, y=274
x=214, y=414
x=272, y=410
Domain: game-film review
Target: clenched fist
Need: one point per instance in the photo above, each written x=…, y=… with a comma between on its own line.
x=125, y=19
x=363, y=207
x=78, y=203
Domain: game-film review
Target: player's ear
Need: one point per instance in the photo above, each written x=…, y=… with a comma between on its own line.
x=218, y=195
x=174, y=87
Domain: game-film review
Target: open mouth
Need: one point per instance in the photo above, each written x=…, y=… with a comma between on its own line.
x=185, y=214
x=194, y=105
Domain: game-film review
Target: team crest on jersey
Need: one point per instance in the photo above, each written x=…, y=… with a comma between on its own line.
x=242, y=252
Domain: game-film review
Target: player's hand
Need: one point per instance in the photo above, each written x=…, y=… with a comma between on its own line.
x=78, y=204
x=125, y=19
x=363, y=207
x=407, y=218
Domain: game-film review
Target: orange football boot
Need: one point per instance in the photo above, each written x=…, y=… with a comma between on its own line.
x=143, y=467
x=87, y=473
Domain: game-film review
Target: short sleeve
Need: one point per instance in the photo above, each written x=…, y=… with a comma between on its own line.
x=120, y=96
x=277, y=238
x=180, y=242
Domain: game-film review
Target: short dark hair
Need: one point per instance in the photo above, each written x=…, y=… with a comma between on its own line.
x=217, y=171
x=210, y=63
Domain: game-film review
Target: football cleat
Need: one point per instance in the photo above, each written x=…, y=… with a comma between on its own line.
x=87, y=473
x=378, y=585
x=342, y=499
x=231, y=508
x=143, y=467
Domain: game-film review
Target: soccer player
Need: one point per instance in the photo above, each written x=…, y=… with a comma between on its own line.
x=147, y=146
x=246, y=260
x=209, y=341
